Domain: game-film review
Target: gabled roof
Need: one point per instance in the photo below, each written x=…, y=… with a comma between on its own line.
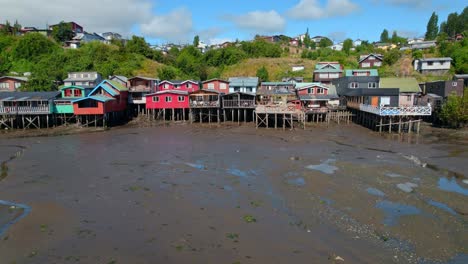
x=306, y=85
x=143, y=78
x=18, y=78
x=118, y=86
x=406, y=85
x=372, y=72
x=28, y=96
x=327, y=65
x=114, y=84
x=244, y=81
x=168, y=91
x=377, y=56
x=178, y=82
x=436, y=59
x=215, y=79
x=277, y=83
x=120, y=77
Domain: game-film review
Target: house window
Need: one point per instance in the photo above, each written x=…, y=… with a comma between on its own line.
x=362, y=73
x=323, y=75
x=430, y=63
x=334, y=75
x=409, y=98
x=168, y=99
x=320, y=91
x=166, y=86
x=176, y=86
x=236, y=89
x=372, y=85
x=68, y=92
x=354, y=85
x=249, y=89
x=17, y=85
x=310, y=90
x=211, y=86
x=4, y=86
x=181, y=98
x=155, y=99
x=222, y=86
x=385, y=100
x=77, y=93
x=365, y=64
x=378, y=63
x=189, y=85
x=454, y=84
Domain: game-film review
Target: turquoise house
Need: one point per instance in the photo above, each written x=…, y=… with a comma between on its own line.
x=68, y=94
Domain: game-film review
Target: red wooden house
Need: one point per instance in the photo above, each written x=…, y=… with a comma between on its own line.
x=221, y=86
x=106, y=97
x=316, y=97
x=187, y=86
x=170, y=99
x=370, y=60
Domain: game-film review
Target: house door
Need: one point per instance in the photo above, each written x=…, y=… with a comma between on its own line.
x=375, y=101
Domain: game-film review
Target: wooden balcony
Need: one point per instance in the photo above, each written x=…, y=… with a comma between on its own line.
x=239, y=104
x=139, y=88
x=25, y=110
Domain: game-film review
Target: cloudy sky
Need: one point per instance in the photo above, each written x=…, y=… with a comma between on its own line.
x=216, y=21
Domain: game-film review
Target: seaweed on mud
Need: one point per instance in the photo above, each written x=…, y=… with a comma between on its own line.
x=3, y=170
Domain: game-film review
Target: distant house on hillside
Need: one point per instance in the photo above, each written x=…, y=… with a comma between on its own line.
x=325, y=72
x=81, y=38
x=297, y=68
x=74, y=26
x=11, y=83
x=384, y=46
x=436, y=66
x=109, y=36
x=357, y=42
x=337, y=47
x=370, y=60
x=317, y=39
x=120, y=79
x=83, y=79
x=272, y=39
x=45, y=32
x=218, y=85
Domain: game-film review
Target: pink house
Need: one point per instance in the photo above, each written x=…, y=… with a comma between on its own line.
x=316, y=96
x=187, y=86
x=170, y=99
x=11, y=83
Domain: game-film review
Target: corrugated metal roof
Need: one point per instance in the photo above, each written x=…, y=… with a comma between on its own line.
x=31, y=96
x=372, y=72
x=304, y=85
x=437, y=59
x=243, y=81
x=277, y=83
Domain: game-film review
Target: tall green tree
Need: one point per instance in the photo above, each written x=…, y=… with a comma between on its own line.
x=432, y=27
x=384, y=36
x=454, y=112
x=452, y=27
x=347, y=45
x=325, y=42
x=307, y=40
x=62, y=32
x=6, y=30
x=262, y=74
x=196, y=41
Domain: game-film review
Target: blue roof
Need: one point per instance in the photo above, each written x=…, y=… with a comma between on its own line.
x=243, y=81
x=372, y=72
x=107, y=89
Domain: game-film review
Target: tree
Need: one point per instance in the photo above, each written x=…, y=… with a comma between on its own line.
x=6, y=29
x=139, y=45
x=432, y=27
x=299, y=43
x=62, y=32
x=391, y=57
x=347, y=45
x=325, y=42
x=307, y=41
x=167, y=73
x=16, y=28
x=196, y=41
x=384, y=36
x=262, y=74
x=454, y=112
x=452, y=27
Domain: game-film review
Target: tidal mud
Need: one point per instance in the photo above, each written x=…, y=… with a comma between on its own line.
x=211, y=194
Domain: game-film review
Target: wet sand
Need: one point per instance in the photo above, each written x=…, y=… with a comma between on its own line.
x=229, y=194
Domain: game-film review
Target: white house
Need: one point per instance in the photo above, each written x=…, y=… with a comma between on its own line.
x=357, y=42
x=337, y=47
x=297, y=68
x=433, y=65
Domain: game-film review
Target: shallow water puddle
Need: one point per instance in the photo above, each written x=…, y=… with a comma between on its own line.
x=324, y=167
x=195, y=165
x=452, y=186
x=12, y=214
x=442, y=206
x=298, y=182
x=237, y=172
x=393, y=175
x=393, y=211
x=407, y=187
x=375, y=192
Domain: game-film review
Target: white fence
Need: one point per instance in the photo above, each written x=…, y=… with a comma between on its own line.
x=395, y=111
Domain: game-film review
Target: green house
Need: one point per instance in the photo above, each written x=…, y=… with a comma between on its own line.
x=64, y=104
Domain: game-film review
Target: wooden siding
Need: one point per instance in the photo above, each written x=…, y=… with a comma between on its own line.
x=162, y=104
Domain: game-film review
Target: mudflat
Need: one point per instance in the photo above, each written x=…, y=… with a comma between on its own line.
x=230, y=194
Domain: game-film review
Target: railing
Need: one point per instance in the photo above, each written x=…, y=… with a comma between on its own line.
x=239, y=103
x=316, y=110
x=204, y=104
x=394, y=111
x=21, y=110
x=283, y=109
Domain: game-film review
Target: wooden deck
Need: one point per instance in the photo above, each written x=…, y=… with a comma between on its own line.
x=392, y=111
x=249, y=104
x=25, y=110
x=277, y=109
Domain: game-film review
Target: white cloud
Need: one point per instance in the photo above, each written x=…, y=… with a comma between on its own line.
x=175, y=26
x=95, y=16
x=312, y=9
x=260, y=21
x=337, y=36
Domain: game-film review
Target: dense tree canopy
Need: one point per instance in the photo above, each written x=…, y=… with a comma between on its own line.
x=62, y=32
x=384, y=36
x=432, y=27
